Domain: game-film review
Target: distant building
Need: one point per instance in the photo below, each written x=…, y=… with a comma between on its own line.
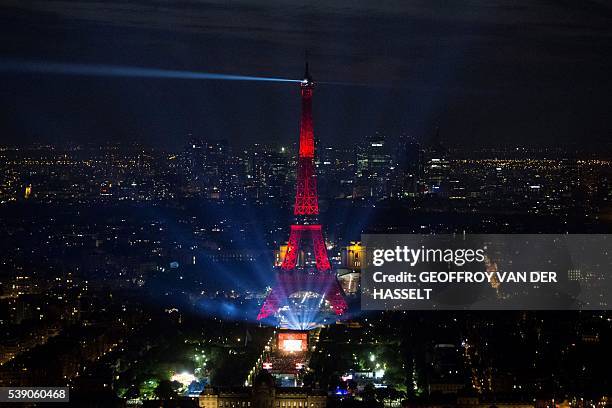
x=279, y=255
x=437, y=168
x=447, y=375
x=373, y=168
x=209, y=168
x=268, y=172
x=574, y=275
x=408, y=172
x=349, y=274
x=469, y=399
x=353, y=256
x=263, y=394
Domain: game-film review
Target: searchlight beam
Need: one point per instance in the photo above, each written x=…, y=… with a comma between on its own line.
x=40, y=67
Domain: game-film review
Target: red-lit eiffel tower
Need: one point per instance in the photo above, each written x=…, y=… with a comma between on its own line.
x=306, y=233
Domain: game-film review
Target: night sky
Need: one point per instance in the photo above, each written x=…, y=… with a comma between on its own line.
x=487, y=72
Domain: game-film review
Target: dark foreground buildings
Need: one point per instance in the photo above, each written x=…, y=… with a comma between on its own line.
x=263, y=394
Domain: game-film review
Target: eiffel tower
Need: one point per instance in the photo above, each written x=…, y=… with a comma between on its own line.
x=305, y=235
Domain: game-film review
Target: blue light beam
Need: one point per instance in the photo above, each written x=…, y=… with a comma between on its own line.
x=16, y=66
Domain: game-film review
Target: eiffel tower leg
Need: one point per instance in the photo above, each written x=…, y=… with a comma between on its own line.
x=335, y=297
x=319, y=249
x=272, y=302
x=293, y=245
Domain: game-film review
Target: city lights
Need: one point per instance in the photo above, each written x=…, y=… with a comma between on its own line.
x=186, y=221
x=184, y=378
